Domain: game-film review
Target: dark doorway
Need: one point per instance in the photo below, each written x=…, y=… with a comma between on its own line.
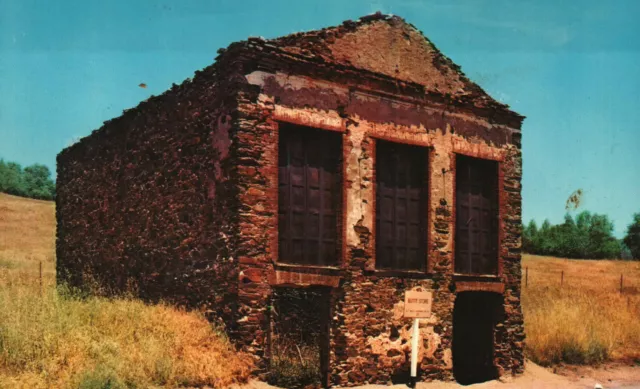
x=474, y=318
x=300, y=337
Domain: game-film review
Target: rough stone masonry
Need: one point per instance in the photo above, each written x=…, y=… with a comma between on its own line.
x=191, y=197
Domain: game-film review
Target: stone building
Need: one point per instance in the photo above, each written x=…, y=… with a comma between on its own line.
x=356, y=161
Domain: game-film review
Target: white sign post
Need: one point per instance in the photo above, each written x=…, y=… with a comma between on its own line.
x=414, y=347
x=417, y=305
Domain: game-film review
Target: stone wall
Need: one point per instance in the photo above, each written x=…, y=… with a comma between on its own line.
x=148, y=200
x=370, y=340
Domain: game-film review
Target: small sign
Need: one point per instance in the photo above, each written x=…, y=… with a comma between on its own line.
x=417, y=304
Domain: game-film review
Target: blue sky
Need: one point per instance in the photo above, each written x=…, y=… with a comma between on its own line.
x=571, y=67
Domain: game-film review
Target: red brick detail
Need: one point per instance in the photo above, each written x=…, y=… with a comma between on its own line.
x=479, y=286
x=298, y=279
x=477, y=150
x=251, y=275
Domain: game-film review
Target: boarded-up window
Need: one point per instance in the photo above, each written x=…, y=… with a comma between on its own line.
x=309, y=195
x=476, y=216
x=401, y=206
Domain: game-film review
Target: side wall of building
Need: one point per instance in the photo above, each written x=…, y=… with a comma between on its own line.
x=369, y=338
x=147, y=202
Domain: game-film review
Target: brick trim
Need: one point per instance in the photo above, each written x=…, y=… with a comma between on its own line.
x=325, y=120
x=479, y=286
x=428, y=143
x=480, y=150
x=300, y=274
x=502, y=206
x=300, y=279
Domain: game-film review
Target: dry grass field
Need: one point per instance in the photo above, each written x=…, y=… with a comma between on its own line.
x=27, y=233
x=51, y=338
x=587, y=319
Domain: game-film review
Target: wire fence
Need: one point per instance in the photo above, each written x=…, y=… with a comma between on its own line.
x=560, y=278
x=622, y=287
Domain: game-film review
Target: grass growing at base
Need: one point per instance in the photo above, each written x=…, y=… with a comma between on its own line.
x=55, y=338
x=294, y=366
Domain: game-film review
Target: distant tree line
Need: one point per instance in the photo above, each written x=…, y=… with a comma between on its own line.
x=588, y=236
x=632, y=239
x=33, y=181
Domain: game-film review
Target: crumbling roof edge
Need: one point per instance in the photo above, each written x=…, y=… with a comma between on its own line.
x=237, y=48
x=128, y=112
x=479, y=95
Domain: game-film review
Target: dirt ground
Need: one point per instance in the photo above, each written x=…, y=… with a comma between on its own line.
x=611, y=376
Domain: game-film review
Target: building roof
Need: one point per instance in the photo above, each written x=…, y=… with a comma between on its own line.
x=382, y=45
x=390, y=46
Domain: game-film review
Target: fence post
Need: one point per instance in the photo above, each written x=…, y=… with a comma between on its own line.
x=526, y=276
x=621, y=282
x=41, y=277
x=561, y=278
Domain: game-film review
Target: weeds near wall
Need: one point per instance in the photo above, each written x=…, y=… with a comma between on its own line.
x=62, y=339
x=295, y=367
x=59, y=337
x=296, y=337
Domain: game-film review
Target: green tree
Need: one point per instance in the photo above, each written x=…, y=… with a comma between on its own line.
x=11, y=179
x=546, y=238
x=529, y=237
x=568, y=244
x=33, y=181
x=546, y=226
x=583, y=224
x=38, y=183
x=602, y=243
x=625, y=253
x=585, y=236
x=3, y=176
x=632, y=238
